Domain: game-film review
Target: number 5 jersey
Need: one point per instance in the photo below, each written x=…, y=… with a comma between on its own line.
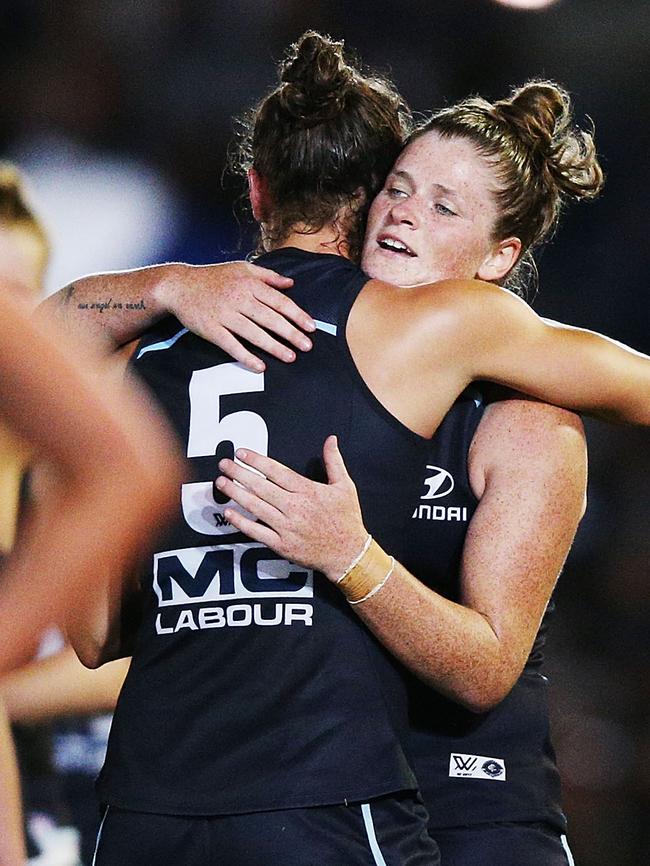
x=253, y=684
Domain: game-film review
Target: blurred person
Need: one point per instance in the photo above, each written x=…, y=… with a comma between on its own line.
x=23, y=259
x=568, y=167
x=59, y=712
x=12, y=843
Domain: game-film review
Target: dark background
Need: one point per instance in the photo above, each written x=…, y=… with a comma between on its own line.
x=120, y=113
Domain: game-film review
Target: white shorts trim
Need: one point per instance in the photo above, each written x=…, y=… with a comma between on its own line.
x=372, y=836
x=99, y=836
x=567, y=851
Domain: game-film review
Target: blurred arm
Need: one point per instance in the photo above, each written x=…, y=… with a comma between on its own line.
x=12, y=842
x=60, y=685
x=108, y=490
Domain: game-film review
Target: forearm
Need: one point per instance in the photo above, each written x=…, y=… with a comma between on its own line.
x=113, y=307
x=60, y=685
x=451, y=647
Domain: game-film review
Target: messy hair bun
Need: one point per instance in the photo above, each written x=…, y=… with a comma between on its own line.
x=315, y=79
x=540, y=114
x=540, y=158
x=323, y=141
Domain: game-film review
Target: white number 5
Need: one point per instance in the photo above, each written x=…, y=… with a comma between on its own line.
x=208, y=430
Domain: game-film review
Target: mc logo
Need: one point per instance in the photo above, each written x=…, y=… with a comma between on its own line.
x=226, y=573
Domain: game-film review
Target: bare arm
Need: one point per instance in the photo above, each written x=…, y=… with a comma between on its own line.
x=60, y=685
x=107, y=491
x=534, y=465
x=219, y=302
x=501, y=339
x=531, y=460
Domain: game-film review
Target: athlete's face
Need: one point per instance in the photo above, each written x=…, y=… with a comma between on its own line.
x=434, y=217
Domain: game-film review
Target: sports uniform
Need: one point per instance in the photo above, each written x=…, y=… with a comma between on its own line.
x=253, y=687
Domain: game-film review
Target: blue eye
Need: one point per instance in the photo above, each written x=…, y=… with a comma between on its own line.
x=444, y=210
x=394, y=192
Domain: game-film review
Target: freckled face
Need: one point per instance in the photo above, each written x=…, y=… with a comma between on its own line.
x=434, y=217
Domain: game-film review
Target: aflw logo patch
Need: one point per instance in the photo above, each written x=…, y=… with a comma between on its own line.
x=476, y=767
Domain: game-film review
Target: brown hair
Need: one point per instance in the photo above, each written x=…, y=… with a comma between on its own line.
x=15, y=211
x=324, y=139
x=541, y=159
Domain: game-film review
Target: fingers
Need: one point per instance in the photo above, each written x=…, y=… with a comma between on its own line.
x=271, y=278
x=244, y=326
x=333, y=459
x=231, y=345
x=255, y=483
x=248, y=500
x=273, y=470
x=264, y=314
x=283, y=304
x=253, y=529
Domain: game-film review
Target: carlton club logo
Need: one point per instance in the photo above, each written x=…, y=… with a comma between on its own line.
x=440, y=483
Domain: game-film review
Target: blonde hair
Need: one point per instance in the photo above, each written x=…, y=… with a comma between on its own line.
x=16, y=213
x=540, y=158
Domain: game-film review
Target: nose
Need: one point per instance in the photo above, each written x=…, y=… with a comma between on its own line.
x=403, y=213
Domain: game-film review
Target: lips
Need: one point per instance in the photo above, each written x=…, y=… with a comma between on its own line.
x=394, y=245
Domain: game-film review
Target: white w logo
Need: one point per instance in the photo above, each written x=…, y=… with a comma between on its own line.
x=465, y=763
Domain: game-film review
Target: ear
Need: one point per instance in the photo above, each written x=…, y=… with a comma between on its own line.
x=258, y=191
x=500, y=260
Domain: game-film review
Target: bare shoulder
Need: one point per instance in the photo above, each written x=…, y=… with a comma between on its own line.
x=458, y=309
x=528, y=441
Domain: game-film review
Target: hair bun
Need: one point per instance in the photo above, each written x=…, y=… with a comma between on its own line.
x=540, y=115
x=315, y=79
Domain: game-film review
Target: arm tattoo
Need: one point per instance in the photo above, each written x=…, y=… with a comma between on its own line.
x=67, y=295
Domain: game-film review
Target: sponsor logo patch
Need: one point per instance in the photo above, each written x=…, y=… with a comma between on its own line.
x=476, y=767
x=438, y=483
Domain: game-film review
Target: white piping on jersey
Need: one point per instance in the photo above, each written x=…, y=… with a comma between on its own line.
x=567, y=851
x=372, y=837
x=99, y=836
x=163, y=344
x=325, y=326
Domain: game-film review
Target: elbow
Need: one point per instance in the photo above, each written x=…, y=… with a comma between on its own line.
x=91, y=652
x=482, y=702
x=89, y=655
x=483, y=694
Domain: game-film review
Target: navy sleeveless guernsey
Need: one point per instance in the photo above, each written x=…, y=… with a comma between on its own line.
x=253, y=684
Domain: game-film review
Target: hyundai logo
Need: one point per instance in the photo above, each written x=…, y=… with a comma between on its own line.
x=439, y=484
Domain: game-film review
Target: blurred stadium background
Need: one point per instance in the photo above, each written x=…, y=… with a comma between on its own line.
x=120, y=114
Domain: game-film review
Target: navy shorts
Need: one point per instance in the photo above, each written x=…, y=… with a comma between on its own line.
x=387, y=831
x=506, y=844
